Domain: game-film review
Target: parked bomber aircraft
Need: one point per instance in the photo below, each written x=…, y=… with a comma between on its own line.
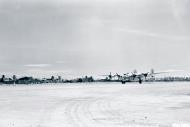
x=133, y=76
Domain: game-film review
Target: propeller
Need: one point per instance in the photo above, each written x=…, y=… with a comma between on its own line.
x=134, y=76
x=145, y=75
x=126, y=74
x=118, y=76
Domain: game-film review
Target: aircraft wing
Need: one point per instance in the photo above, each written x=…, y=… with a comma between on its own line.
x=159, y=73
x=168, y=71
x=103, y=75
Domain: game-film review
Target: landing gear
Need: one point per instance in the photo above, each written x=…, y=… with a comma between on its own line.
x=123, y=82
x=140, y=81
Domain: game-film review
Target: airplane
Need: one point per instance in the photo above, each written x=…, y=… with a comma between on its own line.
x=134, y=76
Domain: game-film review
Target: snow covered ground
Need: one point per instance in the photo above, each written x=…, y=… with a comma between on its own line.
x=96, y=105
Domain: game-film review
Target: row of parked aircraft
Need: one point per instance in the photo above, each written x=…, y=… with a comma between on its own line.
x=133, y=76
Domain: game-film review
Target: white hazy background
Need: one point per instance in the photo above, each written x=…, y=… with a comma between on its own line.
x=79, y=37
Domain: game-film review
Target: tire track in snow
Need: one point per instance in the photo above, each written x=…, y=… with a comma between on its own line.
x=90, y=112
x=74, y=113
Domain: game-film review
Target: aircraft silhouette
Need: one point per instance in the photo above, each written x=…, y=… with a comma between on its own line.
x=133, y=76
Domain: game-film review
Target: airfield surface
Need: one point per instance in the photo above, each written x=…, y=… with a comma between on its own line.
x=96, y=105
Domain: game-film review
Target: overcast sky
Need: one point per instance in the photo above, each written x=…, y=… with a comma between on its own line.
x=79, y=37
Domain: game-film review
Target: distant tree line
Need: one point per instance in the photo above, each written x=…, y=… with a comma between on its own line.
x=31, y=80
